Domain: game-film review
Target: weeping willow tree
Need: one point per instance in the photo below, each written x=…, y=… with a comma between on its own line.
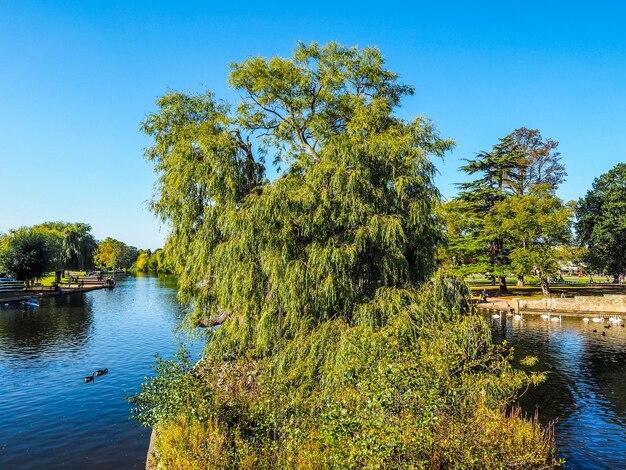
x=351, y=213
x=324, y=350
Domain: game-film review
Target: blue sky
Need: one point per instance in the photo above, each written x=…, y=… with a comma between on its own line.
x=78, y=77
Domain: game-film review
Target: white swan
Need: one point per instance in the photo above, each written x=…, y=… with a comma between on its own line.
x=586, y=320
x=615, y=320
x=517, y=316
x=596, y=319
x=495, y=315
x=545, y=315
x=556, y=318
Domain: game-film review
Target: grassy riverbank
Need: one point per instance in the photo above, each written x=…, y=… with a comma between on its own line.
x=572, y=286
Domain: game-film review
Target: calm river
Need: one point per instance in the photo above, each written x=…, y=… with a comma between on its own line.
x=585, y=392
x=50, y=418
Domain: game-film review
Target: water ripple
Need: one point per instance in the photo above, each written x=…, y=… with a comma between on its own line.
x=585, y=392
x=50, y=418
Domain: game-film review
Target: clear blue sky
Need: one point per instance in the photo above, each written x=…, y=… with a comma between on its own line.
x=77, y=78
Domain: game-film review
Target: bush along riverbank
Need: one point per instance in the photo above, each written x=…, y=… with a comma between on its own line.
x=426, y=388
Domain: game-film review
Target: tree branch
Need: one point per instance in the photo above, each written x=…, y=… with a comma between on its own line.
x=215, y=321
x=306, y=144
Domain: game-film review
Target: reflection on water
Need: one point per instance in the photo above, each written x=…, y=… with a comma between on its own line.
x=25, y=331
x=49, y=418
x=586, y=387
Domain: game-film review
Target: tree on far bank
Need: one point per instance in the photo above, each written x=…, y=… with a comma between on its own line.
x=518, y=163
x=27, y=254
x=131, y=255
x=156, y=262
x=74, y=245
x=142, y=260
x=79, y=247
x=537, y=226
x=111, y=253
x=601, y=222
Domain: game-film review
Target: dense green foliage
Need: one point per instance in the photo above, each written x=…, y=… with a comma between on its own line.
x=323, y=351
x=26, y=254
x=32, y=252
x=147, y=261
x=74, y=245
x=69, y=247
x=352, y=213
x=522, y=164
x=601, y=221
x=536, y=226
x=426, y=390
x=112, y=253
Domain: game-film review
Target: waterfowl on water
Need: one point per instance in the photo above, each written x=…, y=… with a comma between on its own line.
x=604, y=333
x=596, y=319
x=556, y=318
x=545, y=315
x=517, y=317
x=90, y=378
x=100, y=372
x=586, y=320
x=495, y=315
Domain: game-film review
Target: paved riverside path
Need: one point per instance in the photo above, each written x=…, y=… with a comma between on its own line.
x=496, y=303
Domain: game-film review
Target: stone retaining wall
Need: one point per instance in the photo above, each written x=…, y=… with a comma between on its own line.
x=150, y=463
x=607, y=304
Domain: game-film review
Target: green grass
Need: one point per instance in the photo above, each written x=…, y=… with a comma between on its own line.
x=573, y=286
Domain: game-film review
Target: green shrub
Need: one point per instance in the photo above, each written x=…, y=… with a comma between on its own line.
x=427, y=390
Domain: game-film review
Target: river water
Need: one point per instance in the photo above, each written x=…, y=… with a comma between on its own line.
x=585, y=392
x=50, y=418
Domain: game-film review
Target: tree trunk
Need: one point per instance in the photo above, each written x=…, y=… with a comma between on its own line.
x=520, y=281
x=218, y=320
x=503, y=287
x=545, y=285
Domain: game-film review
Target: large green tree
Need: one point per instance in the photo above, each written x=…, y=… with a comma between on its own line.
x=518, y=163
x=78, y=248
x=601, y=221
x=73, y=244
x=328, y=354
x=27, y=254
x=352, y=212
x=112, y=253
x=536, y=225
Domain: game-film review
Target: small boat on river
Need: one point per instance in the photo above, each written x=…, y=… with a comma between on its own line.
x=30, y=303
